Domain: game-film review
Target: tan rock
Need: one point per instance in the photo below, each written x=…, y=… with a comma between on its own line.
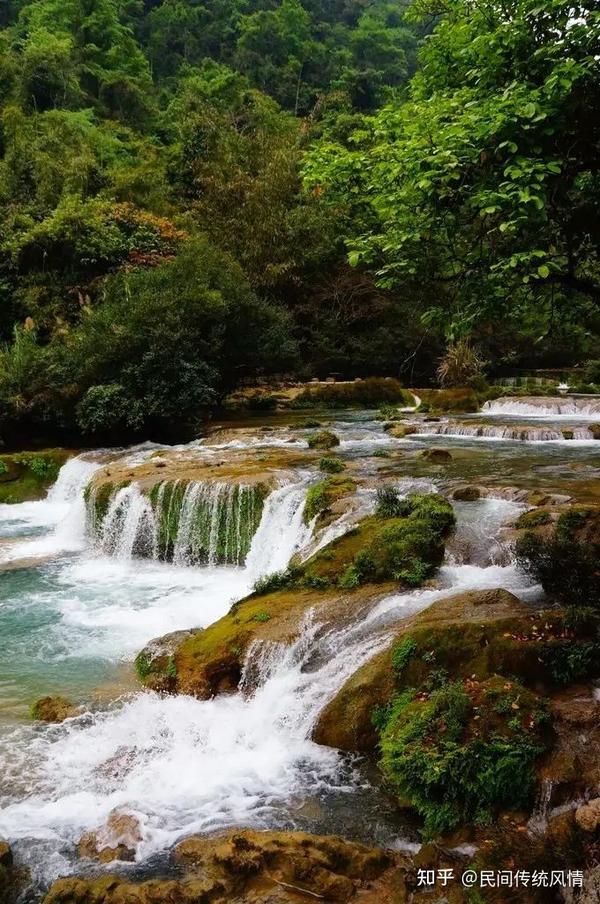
x=53, y=709
x=116, y=840
x=588, y=816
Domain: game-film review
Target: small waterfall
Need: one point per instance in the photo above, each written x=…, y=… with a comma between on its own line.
x=534, y=406
x=186, y=522
x=130, y=528
x=526, y=434
x=281, y=532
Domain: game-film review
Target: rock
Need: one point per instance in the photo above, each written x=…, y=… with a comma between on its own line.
x=53, y=709
x=467, y=494
x=567, y=434
x=12, y=878
x=155, y=665
x=399, y=431
x=594, y=430
x=436, y=455
x=6, y=857
x=116, y=840
x=465, y=632
x=258, y=868
x=588, y=816
x=325, y=439
x=536, y=518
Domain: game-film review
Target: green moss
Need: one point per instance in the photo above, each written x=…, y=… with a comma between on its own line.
x=533, y=519
x=325, y=439
x=245, y=502
x=261, y=617
x=402, y=654
x=464, y=752
x=369, y=393
x=406, y=549
x=321, y=496
x=143, y=666
x=331, y=465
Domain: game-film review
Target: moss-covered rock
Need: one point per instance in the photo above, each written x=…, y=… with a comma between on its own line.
x=331, y=465
x=565, y=560
x=463, y=635
x=321, y=498
x=53, y=709
x=535, y=518
x=399, y=431
x=436, y=455
x=325, y=439
x=26, y=476
x=461, y=751
x=155, y=665
x=12, y=878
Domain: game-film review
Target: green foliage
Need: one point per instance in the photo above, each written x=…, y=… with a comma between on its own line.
x=316, y=501
x=390, y=504
x=410, y=545
x=469, y=195
x=261, y=617
x=331, y=465
x=402, y=654
x=461, y=754
x=566, y=563
x=270, y=583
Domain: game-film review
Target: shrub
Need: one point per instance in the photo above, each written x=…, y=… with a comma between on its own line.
x=460, y=364
x=316, y=501
x=43, y=468
x=270, y=583
x=566, y=567
x=458, y=755
x=390, y=504
x=331, y=465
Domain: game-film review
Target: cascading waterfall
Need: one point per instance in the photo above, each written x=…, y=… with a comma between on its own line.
x=506, y=432
x=186, y=522
x=252, y=749
x=545, y=407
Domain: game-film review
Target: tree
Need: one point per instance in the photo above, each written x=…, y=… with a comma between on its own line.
x=482, y=192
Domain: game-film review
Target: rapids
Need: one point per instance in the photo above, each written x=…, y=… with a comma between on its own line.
x=78, y=600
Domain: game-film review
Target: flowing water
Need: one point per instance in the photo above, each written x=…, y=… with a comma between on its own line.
x=78, y=600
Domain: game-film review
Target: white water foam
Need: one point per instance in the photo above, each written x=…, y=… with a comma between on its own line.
x=61, y=515
x=567, y=407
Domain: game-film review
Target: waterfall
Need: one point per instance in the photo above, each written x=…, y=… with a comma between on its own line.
x=196, y=523
x=534, y=406
x=61, y=516
x=517, y=433
x=130, y=528
x=281, y=532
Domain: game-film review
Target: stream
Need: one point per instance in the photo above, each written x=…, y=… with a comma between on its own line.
x=76, y=607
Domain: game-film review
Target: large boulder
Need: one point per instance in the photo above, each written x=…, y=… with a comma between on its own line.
x=457, y=630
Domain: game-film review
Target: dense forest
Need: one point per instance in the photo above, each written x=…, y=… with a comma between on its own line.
x=197, y=193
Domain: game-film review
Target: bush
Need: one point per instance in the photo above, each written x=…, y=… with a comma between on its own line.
x=390, y=504
x=331, y=465
x=270, y=583
x=460, y=365
x=316, y=501
x=565, y=564
x=45, y=469
x=107, y=408
x=463, y=752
